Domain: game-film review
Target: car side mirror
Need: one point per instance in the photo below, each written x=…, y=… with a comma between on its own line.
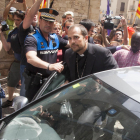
x=19, y=102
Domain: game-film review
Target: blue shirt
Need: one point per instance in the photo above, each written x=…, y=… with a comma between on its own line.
x=15, y=45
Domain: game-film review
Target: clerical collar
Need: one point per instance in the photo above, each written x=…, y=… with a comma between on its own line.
x=84, y=54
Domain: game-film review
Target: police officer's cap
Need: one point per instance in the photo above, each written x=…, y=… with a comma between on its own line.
x=48, y=14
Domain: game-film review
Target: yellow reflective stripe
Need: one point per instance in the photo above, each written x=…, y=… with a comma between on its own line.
x=75, y=86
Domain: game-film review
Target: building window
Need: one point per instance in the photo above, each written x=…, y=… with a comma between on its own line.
x=122, y=6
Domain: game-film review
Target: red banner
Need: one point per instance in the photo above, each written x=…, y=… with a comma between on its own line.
x=43, y=4
x=138, y=10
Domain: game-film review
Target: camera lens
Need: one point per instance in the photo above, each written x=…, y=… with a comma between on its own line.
x=3, y=23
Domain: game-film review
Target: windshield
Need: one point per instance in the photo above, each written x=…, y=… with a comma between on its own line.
x=86, y=110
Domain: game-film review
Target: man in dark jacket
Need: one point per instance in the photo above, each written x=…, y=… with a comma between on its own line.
x=84, y=58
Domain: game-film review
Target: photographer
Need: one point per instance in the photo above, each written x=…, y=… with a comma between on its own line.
x=13, y=42
x=8, y=14
x=118, y=35
x=121, y=36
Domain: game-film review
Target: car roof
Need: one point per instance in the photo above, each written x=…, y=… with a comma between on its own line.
x=126, y=80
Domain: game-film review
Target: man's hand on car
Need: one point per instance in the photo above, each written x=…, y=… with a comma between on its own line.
x=56, y=66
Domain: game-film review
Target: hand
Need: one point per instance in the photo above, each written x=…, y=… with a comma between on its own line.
x=0, y=28
x=0, y=46
x=119, y=25
x=34, y=109
x=126, y=47
x=13, y=1
x=24, y=1
x=34, y=1
x=123, y=21
x=56, y=66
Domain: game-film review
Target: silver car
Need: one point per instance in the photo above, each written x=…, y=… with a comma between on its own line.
x=102, y=106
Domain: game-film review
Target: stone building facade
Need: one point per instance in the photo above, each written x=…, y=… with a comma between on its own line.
x=82, y=9
x=2, y=6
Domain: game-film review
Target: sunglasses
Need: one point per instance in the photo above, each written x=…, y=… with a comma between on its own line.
x=118, y=34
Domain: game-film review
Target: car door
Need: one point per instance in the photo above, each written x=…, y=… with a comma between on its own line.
x=54, y=81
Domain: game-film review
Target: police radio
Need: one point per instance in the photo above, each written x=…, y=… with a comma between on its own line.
x=53, y=41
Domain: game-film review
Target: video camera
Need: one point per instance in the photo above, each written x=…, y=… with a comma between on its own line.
x=4, y=25
x=108, y=24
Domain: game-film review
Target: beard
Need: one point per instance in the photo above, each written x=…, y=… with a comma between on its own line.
x=77, y=48
x=73, y=47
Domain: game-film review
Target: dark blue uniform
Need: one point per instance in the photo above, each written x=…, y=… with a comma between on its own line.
x=46, y=51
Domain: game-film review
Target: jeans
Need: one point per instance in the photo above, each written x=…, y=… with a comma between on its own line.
x=22, y=90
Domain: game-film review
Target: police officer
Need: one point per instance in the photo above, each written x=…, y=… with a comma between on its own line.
x=41, y=49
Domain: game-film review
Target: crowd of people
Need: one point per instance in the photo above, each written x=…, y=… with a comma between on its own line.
x=41, y=44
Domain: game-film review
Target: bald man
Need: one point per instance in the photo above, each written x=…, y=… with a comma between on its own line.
x=127, y=58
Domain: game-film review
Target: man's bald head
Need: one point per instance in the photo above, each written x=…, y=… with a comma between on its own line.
x=136, y=34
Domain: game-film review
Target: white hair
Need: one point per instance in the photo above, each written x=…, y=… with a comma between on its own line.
x=69, y=13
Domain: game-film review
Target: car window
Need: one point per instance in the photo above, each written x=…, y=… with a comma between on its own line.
x=82, y=110
x=56, y=82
